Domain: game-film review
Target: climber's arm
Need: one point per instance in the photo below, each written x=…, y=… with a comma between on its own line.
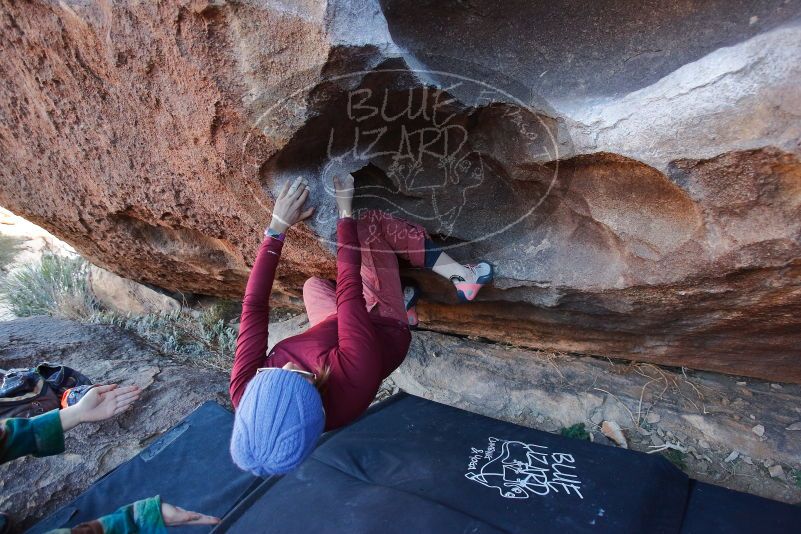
x=40, y=436
x=251, y=344
x=141, y=516
x=358, y=344
x=43, y=435
x=148, y=515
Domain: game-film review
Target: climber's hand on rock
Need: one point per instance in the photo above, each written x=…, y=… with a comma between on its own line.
x=288, y=208
x=174, y=517
x=99, y=403
x=343, y=192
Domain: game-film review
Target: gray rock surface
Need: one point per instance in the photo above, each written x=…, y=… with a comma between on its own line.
x=739, y=97
x=283, y=329
x=30, y=488
x=126, y=296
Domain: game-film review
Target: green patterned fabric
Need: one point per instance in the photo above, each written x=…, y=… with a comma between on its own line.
x=40, y=436
x=43, y=436
x=141, y=517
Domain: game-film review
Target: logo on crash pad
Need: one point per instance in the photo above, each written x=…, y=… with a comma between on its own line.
x=519, y=470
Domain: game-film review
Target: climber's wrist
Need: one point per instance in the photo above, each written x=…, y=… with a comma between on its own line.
x=278, y=226
x=70, y=417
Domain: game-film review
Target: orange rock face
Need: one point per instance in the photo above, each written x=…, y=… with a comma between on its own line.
x=124, y=133
x=639, y=193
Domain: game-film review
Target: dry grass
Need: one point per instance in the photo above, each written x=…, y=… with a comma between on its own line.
x=205, y=339
x=9, y=248
x=56, y=285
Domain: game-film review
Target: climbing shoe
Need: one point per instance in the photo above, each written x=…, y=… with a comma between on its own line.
x=410, y=295
x=480, y=274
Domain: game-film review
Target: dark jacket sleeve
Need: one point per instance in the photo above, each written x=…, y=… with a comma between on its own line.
x=251, y=344
x=40, y=436
x=357, y=352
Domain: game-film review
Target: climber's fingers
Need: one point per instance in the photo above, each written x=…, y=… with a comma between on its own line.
x=127, y=398
x=284, y=191
x=105, y=388
x=298, y=202
x=306, y=214
x=291, y=188
x=297, y=189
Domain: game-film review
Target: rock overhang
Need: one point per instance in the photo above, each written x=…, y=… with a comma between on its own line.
x=662, y=170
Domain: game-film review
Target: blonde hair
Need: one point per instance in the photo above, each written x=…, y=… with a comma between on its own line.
x=321, y=379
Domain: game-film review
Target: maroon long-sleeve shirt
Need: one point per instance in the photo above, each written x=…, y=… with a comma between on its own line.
x=361, y=348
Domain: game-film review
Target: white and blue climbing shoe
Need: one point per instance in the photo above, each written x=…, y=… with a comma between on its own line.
x=480, y=274
x=410, y=295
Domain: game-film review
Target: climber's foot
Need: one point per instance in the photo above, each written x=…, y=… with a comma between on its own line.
x=476, y=276
x=410, y=295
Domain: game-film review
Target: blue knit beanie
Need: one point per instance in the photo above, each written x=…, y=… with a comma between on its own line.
x=277, y=424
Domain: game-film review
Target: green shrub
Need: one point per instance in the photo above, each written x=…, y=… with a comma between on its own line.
x=222, y=310
x=56, y=285
x=209, y=340
x=676, y=458
x=795, y=474
x=9, y=248
x=577, y=431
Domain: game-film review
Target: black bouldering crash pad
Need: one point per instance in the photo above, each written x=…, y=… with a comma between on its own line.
x=412, y=465
x=189, y=466
x=418, y=466
x=715, y=509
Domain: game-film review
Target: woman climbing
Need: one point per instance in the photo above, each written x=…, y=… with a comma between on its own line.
x=327, y=376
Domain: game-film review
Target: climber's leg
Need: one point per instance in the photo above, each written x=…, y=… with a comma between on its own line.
x=319, y=298
x=386, y=237
x=383, y=239
x=468, y=278
x=398, y=236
